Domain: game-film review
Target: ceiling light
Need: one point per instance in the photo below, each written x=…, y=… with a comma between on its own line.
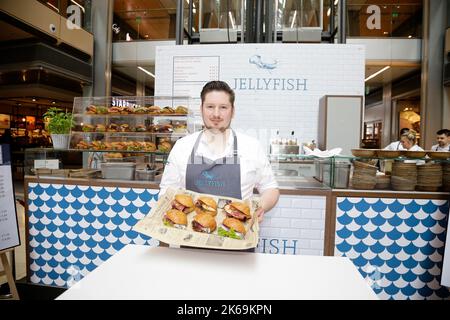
x=34, y=99
x=410, y=36
x=53, y=102
x=52, y=6
x=328, y=12
x=377, y=73
x=336, y=2
x=146, y=71
x=293, y=19
x=231, y=19
x=77, y=4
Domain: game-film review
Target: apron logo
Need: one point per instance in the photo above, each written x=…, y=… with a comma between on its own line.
x=209, y=180
x=208, y=175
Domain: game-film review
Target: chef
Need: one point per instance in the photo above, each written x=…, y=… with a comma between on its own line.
x=397, y=145
x=408, y=141
x=443, y=141
x=218, y=160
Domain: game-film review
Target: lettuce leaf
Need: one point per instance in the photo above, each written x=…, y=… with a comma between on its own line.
x=167, y=223
x=230, y=233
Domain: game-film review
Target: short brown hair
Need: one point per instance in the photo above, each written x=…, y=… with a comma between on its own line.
x=217, y=86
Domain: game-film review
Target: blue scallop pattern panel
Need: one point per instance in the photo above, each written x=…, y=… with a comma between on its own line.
x=396, y=244
x=73, y=229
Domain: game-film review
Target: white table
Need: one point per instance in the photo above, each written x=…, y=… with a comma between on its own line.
x=142, y=272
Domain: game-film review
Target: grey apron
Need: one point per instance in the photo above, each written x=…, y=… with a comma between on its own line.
x=221, y=177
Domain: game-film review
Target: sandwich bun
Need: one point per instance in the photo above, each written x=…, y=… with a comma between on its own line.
x=235, y=224
x=176, y=216
x=206, y=221
x=185, y=200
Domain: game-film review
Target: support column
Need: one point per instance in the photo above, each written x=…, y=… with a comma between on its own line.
x=342, y=31
x=102, y=19
x=180, y=22
x=387, y=121
x=432, y=91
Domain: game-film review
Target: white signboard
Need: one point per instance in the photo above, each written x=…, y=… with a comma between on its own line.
x=9, y=230
x=277, y=86
x=46, y=164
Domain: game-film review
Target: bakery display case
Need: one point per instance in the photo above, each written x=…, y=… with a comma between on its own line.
x=129, y=124
x=122, y=138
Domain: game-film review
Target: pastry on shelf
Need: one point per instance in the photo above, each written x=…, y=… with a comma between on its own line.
x=83, y=145
x=114, y=110
x=91, y=109
x=181, y=110
x=140, y=128
x=88, y=128
x=141, y=110
x=100, y=128
x=101, y=110
x=124, y=127
x=167, y=110
x=113, y=155
x=164, y=146
x=153, y=109
x=112, y=128
x=98, y=145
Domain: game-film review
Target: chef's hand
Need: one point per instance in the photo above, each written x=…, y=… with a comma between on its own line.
x=260, y=213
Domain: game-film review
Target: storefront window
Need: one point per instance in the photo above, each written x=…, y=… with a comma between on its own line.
x=409, y=114
x=300, y=14
x=145, y=20
x=384, y=18
x=221, y=14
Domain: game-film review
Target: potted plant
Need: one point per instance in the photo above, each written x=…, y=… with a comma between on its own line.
x=59, y=125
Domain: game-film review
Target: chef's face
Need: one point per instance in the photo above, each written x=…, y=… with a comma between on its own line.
x=217, y=111
x=442, y=140
x=406, y=143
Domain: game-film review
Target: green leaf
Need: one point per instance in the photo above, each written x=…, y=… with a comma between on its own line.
x=230, y=233
x=60, y=122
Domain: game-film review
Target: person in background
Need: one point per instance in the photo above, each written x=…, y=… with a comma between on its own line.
x=408, y=141
x=6, y=137
x=443, y=141
x=397, y=145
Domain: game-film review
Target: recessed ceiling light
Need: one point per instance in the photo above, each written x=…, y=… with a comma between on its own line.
x=34, y=99
x=53, y=102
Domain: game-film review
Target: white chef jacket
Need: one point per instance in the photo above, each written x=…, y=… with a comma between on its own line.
x=256, y=171
x=396, y=145
x=415, y=148
x=437, y=148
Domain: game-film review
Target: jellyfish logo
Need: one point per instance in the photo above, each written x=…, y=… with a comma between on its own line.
x=208, y=175
x=267, y=64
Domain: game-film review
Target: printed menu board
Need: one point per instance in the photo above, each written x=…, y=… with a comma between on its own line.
x=9, y=229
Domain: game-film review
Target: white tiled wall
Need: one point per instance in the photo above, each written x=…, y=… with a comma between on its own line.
x=328, y=69
x=295, y=226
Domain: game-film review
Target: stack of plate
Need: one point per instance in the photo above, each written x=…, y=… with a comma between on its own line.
x=429, y=177
x=404, y=176
x=446, y=177
x=364, y=175
x=383, y=182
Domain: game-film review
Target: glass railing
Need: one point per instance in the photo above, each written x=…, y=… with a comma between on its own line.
x=379, y=20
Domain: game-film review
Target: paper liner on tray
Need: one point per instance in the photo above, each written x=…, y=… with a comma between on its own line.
x=152, y=224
